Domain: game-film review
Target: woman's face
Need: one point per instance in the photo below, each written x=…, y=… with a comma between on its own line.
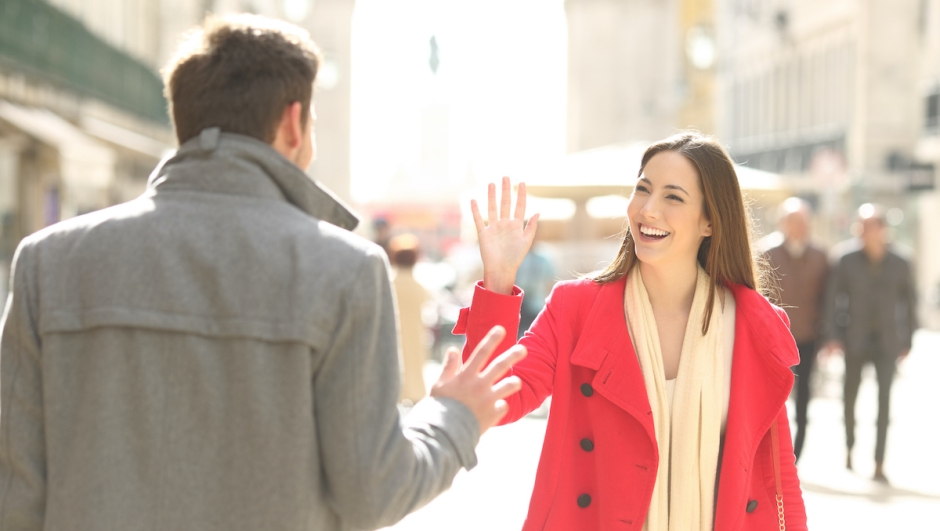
x=666, y=211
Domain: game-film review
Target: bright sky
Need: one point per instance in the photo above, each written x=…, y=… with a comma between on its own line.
x=497, y=102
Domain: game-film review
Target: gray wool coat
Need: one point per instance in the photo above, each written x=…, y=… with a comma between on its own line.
x=217, y=354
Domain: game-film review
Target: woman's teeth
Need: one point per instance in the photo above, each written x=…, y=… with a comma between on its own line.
x=653, y=233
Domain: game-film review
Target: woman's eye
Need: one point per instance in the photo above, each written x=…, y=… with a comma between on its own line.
x=641, y=188
x=674, y=197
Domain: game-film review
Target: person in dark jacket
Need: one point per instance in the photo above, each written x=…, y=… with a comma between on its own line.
x=870, y=303
x=801, y=268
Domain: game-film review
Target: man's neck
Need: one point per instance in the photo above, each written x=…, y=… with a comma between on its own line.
x=875, y=253
x=794, y=247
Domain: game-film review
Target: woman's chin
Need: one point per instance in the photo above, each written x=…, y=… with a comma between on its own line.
x=649, y=257
x=659, y=258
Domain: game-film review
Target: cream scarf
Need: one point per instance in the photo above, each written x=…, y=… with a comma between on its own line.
x=684, y=492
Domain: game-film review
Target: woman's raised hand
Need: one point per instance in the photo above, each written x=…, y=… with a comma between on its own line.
x=504, y=239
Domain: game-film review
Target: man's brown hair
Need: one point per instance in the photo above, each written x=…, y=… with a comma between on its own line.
x=238, y=73
x=727, y=255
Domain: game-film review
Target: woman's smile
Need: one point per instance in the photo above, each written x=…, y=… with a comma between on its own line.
x=652, y=234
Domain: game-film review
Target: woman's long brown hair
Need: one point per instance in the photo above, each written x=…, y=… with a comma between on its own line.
x=726, y=255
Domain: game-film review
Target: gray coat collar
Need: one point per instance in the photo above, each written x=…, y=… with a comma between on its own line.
x=229, y=163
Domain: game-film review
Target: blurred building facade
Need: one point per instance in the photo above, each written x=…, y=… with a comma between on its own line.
x=637, y=72
x=832, y=96
x=82, y=116
x=83, y=120
x=623, y=71
x=927, y=151
x=697, y=85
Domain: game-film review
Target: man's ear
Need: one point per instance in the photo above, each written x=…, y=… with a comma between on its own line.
x=288, y=135
x=293, y=121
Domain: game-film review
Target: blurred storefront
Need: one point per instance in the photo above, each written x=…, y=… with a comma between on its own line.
x=82, y=122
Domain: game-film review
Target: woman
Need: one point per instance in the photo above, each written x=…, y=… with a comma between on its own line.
x=668, y=371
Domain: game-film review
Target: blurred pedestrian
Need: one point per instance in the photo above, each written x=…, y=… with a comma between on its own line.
x=669, y=371
x=411, y=297
x=870, y=303
x=535, y=278
x=381, y=233
x=220, y=353
x=801, y=268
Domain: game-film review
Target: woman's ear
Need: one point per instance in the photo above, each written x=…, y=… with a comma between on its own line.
x=707, y=229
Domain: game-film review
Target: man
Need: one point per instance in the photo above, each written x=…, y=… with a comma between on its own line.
x=221, y=353
x=802, y=269
x=871, y=306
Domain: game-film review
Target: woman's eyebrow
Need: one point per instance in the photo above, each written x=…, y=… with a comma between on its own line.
x=668, y=186
x=676, y=187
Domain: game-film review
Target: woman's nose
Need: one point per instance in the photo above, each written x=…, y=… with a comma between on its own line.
x=650, y=208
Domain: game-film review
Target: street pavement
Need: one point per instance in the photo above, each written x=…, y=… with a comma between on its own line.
x=495, y=495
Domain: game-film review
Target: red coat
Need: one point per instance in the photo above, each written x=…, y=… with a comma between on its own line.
x=600, y=440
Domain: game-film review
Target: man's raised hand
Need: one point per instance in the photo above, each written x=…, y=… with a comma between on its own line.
x=482, y=389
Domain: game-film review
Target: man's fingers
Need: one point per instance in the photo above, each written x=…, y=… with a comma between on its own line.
x=505, y=200
x=451, y=364
x=477, y=218
x=501, y=408
x=491, y=203
x=507, y=386
x=485, y=349
x=503, y=363
x=520, y=203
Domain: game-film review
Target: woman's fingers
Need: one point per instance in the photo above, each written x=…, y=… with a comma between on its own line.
x=506, y=199
x=501, y=365
x=530, y=228
x=485, y=349
x=505, y=203
x=491, y=206
x=477, y=218
x=520, y=203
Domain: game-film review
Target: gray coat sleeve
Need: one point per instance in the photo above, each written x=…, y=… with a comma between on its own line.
x=22, y=438
x=378, y=466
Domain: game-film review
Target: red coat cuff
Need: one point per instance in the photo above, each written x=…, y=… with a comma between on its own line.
x=488, y=309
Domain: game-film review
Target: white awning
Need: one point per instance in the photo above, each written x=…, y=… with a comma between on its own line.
x=612, y=170
x=84, y=161
x=125, y=138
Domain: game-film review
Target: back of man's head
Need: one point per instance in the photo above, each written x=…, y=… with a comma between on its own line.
x=238, y=73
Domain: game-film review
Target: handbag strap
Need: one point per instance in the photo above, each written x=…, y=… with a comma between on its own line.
x=775, y=443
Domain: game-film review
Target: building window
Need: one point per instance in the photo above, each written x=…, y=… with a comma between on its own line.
x=932, y=122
